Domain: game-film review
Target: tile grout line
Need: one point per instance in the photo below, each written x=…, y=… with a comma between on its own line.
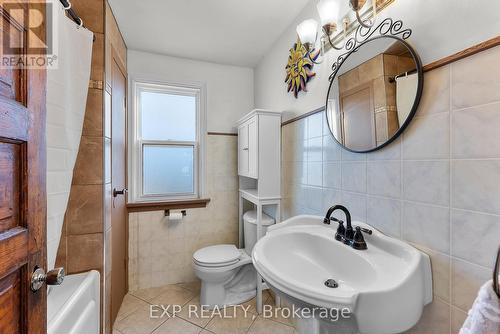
x=450, y=226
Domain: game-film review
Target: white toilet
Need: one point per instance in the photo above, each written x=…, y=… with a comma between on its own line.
x=227, y=274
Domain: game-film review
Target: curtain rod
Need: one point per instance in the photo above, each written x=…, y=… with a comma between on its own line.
x=72, y=14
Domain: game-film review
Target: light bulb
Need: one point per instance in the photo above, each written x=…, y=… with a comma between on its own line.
x=308, y=31
x=328, y=11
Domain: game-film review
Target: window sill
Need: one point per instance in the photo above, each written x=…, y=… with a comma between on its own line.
x=170, y=205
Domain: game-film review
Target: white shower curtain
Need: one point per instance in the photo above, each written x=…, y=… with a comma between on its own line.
x=67, y=88
x=405, y=95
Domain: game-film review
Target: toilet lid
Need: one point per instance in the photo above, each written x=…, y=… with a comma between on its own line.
x=217, y=255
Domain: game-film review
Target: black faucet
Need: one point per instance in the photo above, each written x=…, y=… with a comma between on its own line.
x=347, y=235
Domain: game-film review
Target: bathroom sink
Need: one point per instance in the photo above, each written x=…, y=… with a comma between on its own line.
x=384, y=287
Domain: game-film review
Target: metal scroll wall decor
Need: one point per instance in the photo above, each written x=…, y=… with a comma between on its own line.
x=387, y=27
x=299, y=68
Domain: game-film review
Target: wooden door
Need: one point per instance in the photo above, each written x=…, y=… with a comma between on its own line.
x=22, y=180
x=358, y=118
x=118, y=182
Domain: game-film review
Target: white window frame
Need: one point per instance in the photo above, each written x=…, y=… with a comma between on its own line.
x=137, y=143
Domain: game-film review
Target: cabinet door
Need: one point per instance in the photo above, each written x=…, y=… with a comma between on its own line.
x=253, y=148
x=243, y=150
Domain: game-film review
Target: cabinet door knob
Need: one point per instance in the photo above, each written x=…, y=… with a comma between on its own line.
x=245, y=149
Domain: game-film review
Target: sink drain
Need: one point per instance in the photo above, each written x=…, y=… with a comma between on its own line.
x=331, y=283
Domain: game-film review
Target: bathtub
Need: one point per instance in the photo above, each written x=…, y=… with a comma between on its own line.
x=74, y=306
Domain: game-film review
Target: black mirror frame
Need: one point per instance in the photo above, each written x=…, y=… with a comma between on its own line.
x=387, y=29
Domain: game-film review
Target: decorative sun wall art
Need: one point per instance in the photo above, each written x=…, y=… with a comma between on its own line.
x=298, y=68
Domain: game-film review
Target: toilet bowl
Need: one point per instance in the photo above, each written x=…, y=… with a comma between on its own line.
x=227, y=274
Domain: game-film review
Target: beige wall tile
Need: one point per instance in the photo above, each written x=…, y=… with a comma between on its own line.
x=381, y=127
x=84, y=214
x=466, y=280
x=457, y=319
x=61, y=258
x=427, y=137
x=332, y=175
x=435, y=319
x=85, y=252
x=315, y=149
x=475, y=132
x=384, y=178
x=315, y=125
x=92, y=125
x=441, y=264
x=97, y=65
x=427, y=182
x=315, y=173
x=89, y=162
x=331, y=149
x=390, y=152
x=436, y=92
x=385, y=215
x=475, y=79
x=330, y=198
x=356, y=204
x=427, y=225
x=354, y=176
x=372, y=68
x=475, y=237
x=314, y=199
x=475, y=185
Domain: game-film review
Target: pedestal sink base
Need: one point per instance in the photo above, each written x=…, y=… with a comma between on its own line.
x=321, y=326
x=318, y=324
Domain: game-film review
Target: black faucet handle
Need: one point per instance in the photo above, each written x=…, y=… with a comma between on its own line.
x=340, y=235
x=358, y=241
x=367, y=231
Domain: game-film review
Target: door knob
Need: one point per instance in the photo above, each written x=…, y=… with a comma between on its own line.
x=53, y=277
x=119, y=192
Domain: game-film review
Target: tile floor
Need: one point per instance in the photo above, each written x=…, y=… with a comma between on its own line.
x=134, y=314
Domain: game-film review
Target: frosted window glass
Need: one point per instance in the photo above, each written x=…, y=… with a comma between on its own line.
x=168, y=170
x=168, y=116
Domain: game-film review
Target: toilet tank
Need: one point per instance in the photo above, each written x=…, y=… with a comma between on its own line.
x=250, y=228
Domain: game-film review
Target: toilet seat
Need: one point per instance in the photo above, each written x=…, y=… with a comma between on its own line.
x=217, y=256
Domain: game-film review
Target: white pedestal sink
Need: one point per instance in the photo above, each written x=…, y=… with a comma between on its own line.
x=384, y=288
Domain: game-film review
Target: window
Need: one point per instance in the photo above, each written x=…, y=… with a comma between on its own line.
x=166, y=146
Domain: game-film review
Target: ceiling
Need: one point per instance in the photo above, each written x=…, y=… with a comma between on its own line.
x=231, y=32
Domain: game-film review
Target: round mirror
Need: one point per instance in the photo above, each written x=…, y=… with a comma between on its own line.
x=374, y=93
